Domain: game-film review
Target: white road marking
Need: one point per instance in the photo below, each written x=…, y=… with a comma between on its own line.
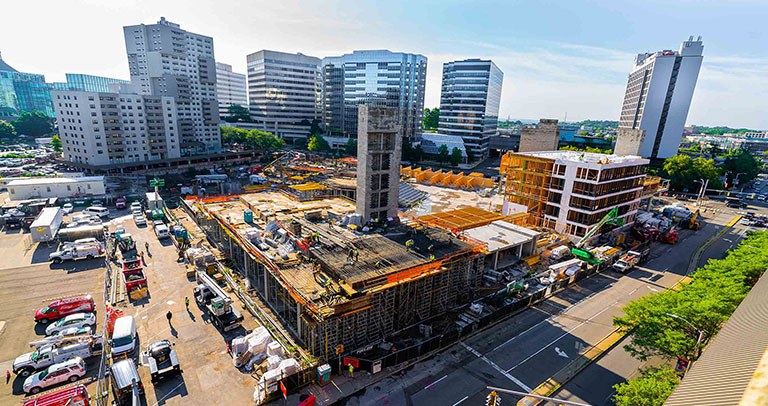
x=549, y=319
x=561, y=336
x=462, y=399
x=169, y=393
x=497, y=368
x=561, y=352
x=651, y=288
x=337, y=386
x=430, y=385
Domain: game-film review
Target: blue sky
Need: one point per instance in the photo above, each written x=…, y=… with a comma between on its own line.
x=557, y=56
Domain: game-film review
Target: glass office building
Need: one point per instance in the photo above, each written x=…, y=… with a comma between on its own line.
x=469, y=103
x=89, y=83
x=378, y=78
x=20, y=92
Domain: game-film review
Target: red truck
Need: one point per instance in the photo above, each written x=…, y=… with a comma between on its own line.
x=120, y=203
x=71, y=396
x=60, y=308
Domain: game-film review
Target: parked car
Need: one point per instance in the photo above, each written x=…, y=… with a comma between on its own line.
x=136, y=206
x=120, y=203
x=67, y=208
x=139, y=219
x=162, y=231
x=97, y=211
x=63, y=307
x=67, y=371
x=73, y=320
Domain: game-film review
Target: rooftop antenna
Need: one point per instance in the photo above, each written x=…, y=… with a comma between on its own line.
x=566, y=117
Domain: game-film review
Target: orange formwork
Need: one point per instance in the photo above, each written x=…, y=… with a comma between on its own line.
x=460, y=219
x=447, y=178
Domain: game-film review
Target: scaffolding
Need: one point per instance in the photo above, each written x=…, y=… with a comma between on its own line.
x=527, y=183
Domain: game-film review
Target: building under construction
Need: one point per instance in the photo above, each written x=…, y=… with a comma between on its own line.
x=330, y=284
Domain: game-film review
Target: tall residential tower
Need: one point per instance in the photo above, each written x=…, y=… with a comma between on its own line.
x=165, y=60
x=469, y=103
x=375, y=78
x=658, y=96
x=284, y=93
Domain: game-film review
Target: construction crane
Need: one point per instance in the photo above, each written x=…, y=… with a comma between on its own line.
x=279, y=163
x=586, y=255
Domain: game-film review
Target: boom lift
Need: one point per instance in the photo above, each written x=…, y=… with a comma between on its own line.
x=210, y=295
x=585, y=255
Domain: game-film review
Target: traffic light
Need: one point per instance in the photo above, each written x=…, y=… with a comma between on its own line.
x=493, y=399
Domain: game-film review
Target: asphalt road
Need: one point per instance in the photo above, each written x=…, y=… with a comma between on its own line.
x=527, y=349
x=594, y=385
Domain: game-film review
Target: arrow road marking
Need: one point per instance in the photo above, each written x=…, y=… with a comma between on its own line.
x=561, y=352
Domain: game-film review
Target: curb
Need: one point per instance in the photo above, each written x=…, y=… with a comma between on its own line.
x=697, y=255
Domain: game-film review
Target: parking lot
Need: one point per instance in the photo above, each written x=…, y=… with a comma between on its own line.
x=208, y=374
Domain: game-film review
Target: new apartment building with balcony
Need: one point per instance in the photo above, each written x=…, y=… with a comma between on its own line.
x=571, y=191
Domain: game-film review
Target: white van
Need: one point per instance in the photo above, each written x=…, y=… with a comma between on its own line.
x=97, y=211
x=162, y=231
x=124, y=337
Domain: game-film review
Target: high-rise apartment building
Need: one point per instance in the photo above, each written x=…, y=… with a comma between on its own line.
x=20, y=92
x=571, y=191
x=230, y=88
x=469, y=103
x=167, y=61
x=658, y=96
x=110, y=128
x=375, y=78
x=89, y=83
x=284, y=93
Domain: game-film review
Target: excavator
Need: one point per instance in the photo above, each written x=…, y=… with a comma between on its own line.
x=586, y=255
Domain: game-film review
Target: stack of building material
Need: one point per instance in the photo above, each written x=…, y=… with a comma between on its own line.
x=408, y=196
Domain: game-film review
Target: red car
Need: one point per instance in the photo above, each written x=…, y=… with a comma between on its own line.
x=63, y=307
x=72, y=396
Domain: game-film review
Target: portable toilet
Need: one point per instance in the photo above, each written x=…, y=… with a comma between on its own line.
x=248, y=216
x=323, y=374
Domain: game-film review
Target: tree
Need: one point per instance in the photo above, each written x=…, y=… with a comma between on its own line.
x=34, y=124
x=651, y=388
x=740, y=161
x=56, y=143
x=431, y=118
x=250, y=139
x=351, y=147
x=455, y=157
x=442, y=153
x=6, y=130
x=317, y=143
x=682, y=172
x=237, y=113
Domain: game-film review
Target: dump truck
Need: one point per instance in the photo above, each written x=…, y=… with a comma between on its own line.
x=217, y=303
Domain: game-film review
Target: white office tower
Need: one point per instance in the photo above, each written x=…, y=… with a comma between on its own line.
x=230, y=88
x=165, y=60
x=284, y=93
x=658, y=96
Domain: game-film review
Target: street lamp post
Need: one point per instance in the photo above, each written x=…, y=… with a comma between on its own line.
x=699, y=340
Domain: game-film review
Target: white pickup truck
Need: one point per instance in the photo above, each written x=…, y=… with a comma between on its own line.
x=48, y=355
x=91, y=250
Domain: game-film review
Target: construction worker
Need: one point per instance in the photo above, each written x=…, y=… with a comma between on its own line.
x=169, y=316
x=357, y=254
x=431, y=257
x=317, y=236
x=351, y=371
x=146, y=246
x=186, y=302
x=409, y=244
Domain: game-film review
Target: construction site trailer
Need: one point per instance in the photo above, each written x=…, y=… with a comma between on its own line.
x=47, y=224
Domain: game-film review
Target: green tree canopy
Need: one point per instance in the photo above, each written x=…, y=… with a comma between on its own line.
x=442, y=153
x=34, y=124
x=237, y=113
x=455, y=157
x=586, y=149
x=6, y=130
x=682, y=172
x=740, y=161
x=250, y=139
x=651, y=388
x=56, y=143
x=351, y=147
x=431, y=118
x=317, y=143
